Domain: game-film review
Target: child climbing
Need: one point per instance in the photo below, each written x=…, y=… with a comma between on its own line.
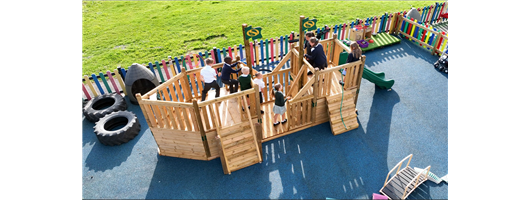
x=317, y=55
x=225, y=74
x=245, y=82
x=259, y=80
x=279, y=104
x=209, y=77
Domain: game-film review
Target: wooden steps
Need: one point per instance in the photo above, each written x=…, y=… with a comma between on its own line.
x=349, y=115
x=239, y=146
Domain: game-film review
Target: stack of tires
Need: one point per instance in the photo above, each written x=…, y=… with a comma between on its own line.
x=114, y=124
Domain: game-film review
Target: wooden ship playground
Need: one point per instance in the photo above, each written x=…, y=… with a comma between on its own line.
x=351, y=130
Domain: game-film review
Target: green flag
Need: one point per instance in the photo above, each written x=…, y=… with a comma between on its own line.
x=252, y=33
x=309, y=24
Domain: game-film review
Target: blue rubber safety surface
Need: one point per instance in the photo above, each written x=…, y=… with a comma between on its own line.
x=311, y=164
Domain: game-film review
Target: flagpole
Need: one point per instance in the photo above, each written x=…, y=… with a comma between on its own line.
x=247, y=49
x=301, y=43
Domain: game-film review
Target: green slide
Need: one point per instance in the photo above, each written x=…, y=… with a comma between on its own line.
x=378, y=78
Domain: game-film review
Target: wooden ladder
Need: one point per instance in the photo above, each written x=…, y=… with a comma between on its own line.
x=348, y=112
x=239, y=145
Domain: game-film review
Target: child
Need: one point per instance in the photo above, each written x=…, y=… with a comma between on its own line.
x=355, y=55
x=209, y=77
x=307, y=46
x=245, y=82
x=225, y=74
x=259, y=80
x=279, y=104
x=317, y=55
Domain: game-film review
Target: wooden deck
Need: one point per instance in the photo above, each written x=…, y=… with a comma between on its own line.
x=230, y=110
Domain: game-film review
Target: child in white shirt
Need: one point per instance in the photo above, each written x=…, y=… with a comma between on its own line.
x=259, y=80
x=209, y=78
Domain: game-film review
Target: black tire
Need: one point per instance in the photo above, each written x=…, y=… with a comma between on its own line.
x=436, y=65
x=102, y=105
x=107, y=136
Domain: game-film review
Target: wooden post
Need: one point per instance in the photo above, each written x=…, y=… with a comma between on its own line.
x=363, y=58
x=144, y=112
x=301, y=43
x=258, y=105
x=332, y=44
x=316, y=92
x=301, y=50
x=287, y=113
x=186, y=85
x=259, y=129
x=201, y=128
x=247, y=49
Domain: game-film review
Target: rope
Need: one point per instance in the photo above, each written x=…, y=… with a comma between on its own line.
x=342, y=98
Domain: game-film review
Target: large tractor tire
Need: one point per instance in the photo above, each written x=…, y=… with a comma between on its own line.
x=102, y=105
x=108, y=129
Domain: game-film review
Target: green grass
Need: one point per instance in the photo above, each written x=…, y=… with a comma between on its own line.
x=121, y=33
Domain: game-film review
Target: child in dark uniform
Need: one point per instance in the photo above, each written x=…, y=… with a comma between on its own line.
x=355, y=55
x=225, y=75
x=279, y=104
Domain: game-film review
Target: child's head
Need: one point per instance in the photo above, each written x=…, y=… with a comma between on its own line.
x=313, y=41
x=228, y=60
x=309, y=35
x=245, y=70
x=259, y=75
x=309, y=74
x=354, y=46
x=278, y=86
x=209, y=61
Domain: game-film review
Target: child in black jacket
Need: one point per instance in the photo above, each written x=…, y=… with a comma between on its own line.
x=317, y=56
x=279, y=104
x=225, y=75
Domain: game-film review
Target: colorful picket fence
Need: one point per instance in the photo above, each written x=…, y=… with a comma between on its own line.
x=265, y=54
x=422, y=30
x=427, y=36
x=96, y=85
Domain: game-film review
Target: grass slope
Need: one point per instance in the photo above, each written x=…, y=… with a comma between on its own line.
x=121, y=33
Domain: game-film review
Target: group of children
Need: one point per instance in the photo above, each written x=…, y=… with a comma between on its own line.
x=209, y=77
x=314, y=54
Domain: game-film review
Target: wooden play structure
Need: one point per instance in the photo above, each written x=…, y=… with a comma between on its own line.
x=219, y=128
x=404, y=181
